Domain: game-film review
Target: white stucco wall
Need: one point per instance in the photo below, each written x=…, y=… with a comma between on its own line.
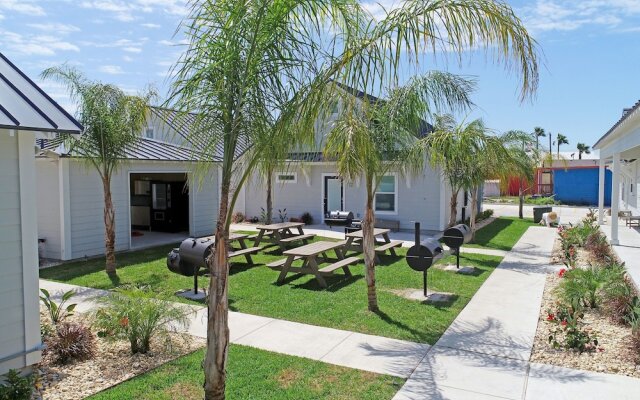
x=19, y=317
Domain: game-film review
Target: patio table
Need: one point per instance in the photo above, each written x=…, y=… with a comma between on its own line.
x=354, y=241
x=281, y=234
x=309, y=254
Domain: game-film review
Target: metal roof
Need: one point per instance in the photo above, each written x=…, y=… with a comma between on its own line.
x=626, y=114
x=143, y=150
x=25, y=106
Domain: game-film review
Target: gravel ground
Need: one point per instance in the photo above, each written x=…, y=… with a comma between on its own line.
x=112, y=364
x=614, y=354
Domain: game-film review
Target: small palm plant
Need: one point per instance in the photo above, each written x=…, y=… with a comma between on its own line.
x=58, y=311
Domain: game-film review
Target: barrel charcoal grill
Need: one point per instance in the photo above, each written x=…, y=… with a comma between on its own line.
x=190, y=257
x=423, y=254
x=339, y=218
x=455, y=237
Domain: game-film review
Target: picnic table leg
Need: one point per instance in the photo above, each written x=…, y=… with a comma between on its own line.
x=300, y=231
x=256, y=243
x=387, y=240
x=313, y=265
x=285, y=269
x=277, y=239
x=247, y=257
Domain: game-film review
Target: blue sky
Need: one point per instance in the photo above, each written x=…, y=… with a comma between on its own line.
x=590, y=72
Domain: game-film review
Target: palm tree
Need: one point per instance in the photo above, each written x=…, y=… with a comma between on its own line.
x=538, y=133
x=519, y=162
x=465, y=154
x=112, y=122
x=247, y=61
x=560, y=140
x=583, y=148
x=372, y=138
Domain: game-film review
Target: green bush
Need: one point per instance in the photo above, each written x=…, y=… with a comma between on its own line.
x=307, y=218
x=541, y=201
x=15, y=386
x=619, y=298
x=582, y=287
x=138, y=316
x=58, y=312
x=70, y=341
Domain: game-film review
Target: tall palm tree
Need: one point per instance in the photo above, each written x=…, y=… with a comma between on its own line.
x=560, y=140
x=538, y=132
x=519, y=163
x=247, y=61
x=583, y=148
x=112, y=121
x=372, y=138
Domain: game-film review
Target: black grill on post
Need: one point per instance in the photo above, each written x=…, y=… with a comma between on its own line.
x=455, y=237
x=423, y=254
x=190, y=257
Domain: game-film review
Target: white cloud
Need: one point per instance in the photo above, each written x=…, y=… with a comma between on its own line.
x=570, y=15
x=182, y=42
x=132, y=49
x=22, y=7
x=127, y=58
x=55, y=27
x=111, y=69
x=151, y=26
x=127, y=11
x=43, y=45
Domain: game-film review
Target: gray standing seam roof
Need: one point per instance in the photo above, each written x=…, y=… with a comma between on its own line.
x=25, y=106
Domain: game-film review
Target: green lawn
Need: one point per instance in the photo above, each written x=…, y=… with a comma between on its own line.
x=253, y=289
x=257, y=374
x=502, y=234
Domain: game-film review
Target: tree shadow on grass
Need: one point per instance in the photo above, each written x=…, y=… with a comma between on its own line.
x=423, y=336
x=334, y=283
x=485, y=235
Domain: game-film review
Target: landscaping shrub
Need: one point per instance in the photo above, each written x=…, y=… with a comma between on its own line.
x=307, y=218
x=581, y=287
x=237, y=217
x=138, y=316
x=541, y=201
x=58, y=312
x=70, y=341
x=569, y=332
x=15, y=386
x=282, y=215
x=619, y=298
x=598, y=245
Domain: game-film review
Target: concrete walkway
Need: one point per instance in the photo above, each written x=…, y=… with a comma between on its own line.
x=567, y=214
x=349, y=349
x=629, y=248
x=484, y=354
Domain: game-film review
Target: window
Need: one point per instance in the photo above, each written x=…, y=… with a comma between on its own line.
x=386, y=195
x=149, y=133
x=289, y=177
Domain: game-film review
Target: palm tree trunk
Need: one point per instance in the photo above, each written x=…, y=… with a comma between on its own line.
x=218, y=307
x=474, y=211
x=109, y=227
x=368, y=243
x=269, y=216
x=520, y=200
x=453, y=212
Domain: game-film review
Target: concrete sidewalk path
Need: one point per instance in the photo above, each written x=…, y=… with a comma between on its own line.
x=484, y=354
x=349, y=349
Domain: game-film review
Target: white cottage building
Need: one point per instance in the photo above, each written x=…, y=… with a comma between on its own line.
x=26, y=113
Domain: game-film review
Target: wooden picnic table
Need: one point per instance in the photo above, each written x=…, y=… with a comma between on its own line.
x=282, y=234
x=244, y=250
x=354, y=241
x=309, y=254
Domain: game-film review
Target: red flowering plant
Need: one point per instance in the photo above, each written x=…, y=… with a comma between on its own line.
x=569, y=332
x=562, y=272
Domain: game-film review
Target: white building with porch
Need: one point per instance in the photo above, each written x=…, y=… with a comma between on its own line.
x=620, y=151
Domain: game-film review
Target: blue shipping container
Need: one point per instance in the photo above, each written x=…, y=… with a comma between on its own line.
x=579, y=186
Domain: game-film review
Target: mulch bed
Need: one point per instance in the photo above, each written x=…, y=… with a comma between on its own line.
x=615, y=354
x=112, y=364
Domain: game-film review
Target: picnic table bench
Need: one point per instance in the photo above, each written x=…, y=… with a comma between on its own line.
x=239, y=238
x=309, y=254
x=282, y=234
x=354, y=241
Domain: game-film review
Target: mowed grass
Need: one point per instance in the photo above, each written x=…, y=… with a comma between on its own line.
x=257, y=374
x=254, y=290
x=502, y=234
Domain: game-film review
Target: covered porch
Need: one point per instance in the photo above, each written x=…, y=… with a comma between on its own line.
x=620, y=151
